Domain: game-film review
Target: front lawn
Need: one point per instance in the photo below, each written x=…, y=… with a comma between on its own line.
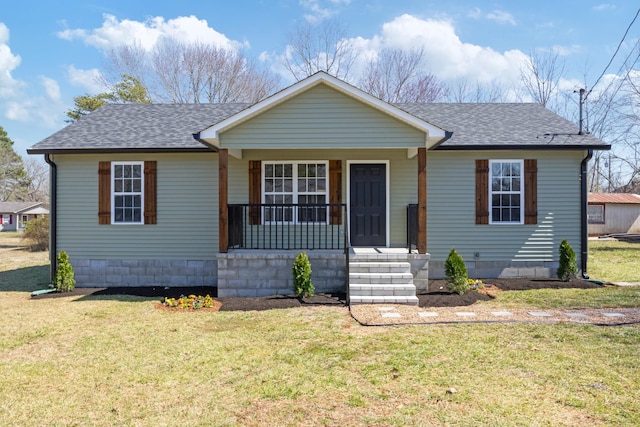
x=118, y=360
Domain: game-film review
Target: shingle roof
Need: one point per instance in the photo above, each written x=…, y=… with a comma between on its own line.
x=16, y=207
x=623, y=198
x=502, y=126
x=131, y=127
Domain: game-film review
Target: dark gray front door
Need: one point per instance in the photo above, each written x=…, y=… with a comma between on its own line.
x=368, y=204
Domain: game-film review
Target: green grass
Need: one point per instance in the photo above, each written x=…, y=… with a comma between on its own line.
x=610, y=296
x=120, y=361
x=614, y=261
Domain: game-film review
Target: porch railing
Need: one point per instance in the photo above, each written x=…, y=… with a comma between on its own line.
x=290, y=226
x=412, y=227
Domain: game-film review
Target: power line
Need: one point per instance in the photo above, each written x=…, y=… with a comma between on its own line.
x=614, y=54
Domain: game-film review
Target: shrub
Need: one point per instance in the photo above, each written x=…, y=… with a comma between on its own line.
x=64, y=274
x=567, y=267
x=36, y=232
x=456, y=273
x=302, y=286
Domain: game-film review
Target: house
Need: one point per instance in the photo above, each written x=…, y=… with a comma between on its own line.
x=15, y=215
x=376, y=194
x=613, y=213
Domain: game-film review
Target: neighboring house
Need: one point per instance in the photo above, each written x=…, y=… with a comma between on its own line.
x=613, y=213
x=227, y=194
x=15, y=215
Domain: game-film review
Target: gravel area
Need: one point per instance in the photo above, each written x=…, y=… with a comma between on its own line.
x=391, y=314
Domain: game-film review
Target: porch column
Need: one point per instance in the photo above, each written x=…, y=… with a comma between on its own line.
x=223, y=200
x=422, y=200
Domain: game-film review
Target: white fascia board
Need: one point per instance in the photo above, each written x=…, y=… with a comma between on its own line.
x=433, y=133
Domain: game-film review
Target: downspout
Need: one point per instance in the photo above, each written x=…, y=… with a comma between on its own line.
x=53, y=190
x=583, y=215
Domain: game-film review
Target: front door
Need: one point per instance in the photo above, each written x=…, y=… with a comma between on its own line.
x=368, y=204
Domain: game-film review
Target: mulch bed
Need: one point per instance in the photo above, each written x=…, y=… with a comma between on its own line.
x=442, y=298
x=439, y=298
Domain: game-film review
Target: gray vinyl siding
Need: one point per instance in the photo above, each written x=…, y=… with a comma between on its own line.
x=403, y=173
x=187, y=213
x=322, y=118
x=451, y=208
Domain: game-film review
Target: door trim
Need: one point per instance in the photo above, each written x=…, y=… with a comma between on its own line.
x=388, y=200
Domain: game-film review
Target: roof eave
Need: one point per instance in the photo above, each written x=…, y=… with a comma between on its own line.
x=454, y=147
x=154, y=150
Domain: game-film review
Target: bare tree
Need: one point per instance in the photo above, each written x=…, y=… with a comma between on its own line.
x=38, y=173
x=397, y=75
x=540, y=77
x=465, y=92
x=192, y=73
x=324, y=47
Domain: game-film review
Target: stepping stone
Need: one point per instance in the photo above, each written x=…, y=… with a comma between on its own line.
x=427, y=314
x=386, y=308
x=465, y=313
x=539, y=314
x=502, y=313
x=613, y=314
x=387, y=314
x=577, y=315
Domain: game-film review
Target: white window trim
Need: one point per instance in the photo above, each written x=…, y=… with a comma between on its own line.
x=113, y=192
x=521, y=162
x=294, y=201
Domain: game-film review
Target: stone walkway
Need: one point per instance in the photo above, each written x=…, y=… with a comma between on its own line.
x=380, y=315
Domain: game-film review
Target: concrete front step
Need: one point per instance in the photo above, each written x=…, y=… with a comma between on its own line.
x=382, y=289
x=379, y=267
x=386, y=299
x=380, y=278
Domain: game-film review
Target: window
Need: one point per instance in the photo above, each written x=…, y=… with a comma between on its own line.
x=506, y=191
x=595, y=214
x=295, y=183
x=127, y=193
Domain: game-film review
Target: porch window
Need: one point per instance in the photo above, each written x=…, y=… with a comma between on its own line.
x=127, y=192
x=295, y=183
x=506, y=191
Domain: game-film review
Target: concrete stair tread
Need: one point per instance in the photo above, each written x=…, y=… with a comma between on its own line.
x=383, y=299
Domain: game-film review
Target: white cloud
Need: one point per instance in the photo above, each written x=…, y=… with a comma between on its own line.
x=604, y=7
x=89, y=80
x=319, y=10
x=446, y=56
x=51, y=88
x=8, y=62
x=147, y=34
x=499, y=16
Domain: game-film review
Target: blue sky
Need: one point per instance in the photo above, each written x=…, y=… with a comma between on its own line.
x=51, y=51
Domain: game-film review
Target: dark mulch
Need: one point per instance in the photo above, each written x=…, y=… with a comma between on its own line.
x=437, y=297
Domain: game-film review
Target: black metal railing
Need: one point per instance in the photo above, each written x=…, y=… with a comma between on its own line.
x=291, y=226
x=412, y=227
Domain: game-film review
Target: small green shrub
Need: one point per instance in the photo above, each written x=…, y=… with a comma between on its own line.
x=456, y=272
x=64, y=280
x=567, y=267
x=302, y=286
x=36, y=233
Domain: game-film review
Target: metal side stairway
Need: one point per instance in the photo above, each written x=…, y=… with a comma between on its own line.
x=378, y=281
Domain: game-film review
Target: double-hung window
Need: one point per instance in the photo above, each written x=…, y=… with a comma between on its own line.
x=506, y=191
x=298, y=186
x=128, y=190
